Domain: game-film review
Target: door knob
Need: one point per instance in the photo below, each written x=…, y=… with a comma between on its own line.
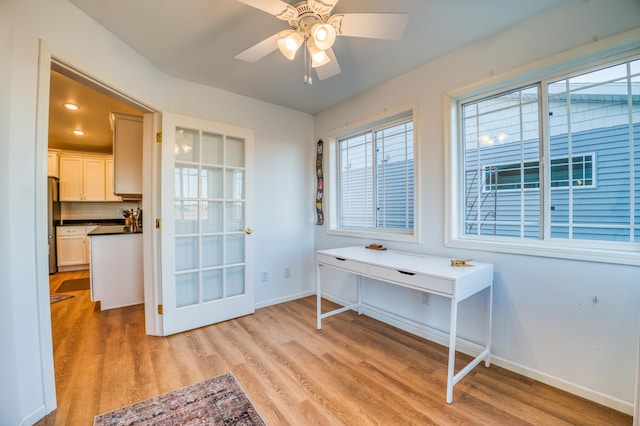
x=248, y=231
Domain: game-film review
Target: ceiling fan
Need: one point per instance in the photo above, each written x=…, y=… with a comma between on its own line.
x=312, y=23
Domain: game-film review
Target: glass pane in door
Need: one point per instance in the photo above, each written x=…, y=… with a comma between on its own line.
x=212, y=285
x=234, y=184
x=186, y=145
x=186, y=289
x=234, y=152
x=212, y=148
x=235, y=281
x=234, y=249
x=211, y=185
x=209, y=205
x=186, y=253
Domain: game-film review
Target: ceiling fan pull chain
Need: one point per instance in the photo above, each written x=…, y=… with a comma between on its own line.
x=307, y=68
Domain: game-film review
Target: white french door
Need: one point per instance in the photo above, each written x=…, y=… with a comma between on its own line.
x=206, y=214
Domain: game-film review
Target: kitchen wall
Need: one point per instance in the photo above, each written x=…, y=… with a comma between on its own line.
x=284, y=153
x=545, y=325
x=76, y=211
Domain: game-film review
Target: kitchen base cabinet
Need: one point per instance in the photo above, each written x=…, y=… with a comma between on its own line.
x=72, y=247
x=116, y=270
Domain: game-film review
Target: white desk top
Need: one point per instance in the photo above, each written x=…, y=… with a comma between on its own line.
x=410, y=262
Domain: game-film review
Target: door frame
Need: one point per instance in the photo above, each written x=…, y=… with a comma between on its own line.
x=51, y=59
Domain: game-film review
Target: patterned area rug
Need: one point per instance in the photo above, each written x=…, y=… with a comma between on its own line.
x=217, y=401
x=54, y=297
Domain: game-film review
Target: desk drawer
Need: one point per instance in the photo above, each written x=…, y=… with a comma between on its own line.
x=415, y=280
x=338, y=262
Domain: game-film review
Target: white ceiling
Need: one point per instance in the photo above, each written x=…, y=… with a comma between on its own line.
x=197, y=40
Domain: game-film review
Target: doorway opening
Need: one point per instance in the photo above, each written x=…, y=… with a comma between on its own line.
x=56, y=80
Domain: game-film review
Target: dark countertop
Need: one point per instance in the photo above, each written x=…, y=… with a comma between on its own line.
x=112, y=230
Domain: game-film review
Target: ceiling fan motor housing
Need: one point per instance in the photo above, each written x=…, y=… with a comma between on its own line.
x=307, y=18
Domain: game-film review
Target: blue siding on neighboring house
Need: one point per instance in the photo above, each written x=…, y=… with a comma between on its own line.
x=394, y=206
x=395, y=195
x=605, y=207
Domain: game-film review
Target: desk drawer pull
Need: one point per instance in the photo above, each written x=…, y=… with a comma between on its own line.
x=406, y=273
x=341, y=259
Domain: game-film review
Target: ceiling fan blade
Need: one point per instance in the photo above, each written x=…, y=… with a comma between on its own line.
x=277, y=8
x=322, y=7
x=387, y=26
x=330, y=69
x=260, y=50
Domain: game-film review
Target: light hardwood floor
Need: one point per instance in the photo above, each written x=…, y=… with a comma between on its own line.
x=356, y=371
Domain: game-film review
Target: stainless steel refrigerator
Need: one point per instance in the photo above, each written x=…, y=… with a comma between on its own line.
x=53, y=215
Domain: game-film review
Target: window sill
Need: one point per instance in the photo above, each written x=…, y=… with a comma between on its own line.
x=570, y=250
x=374, y=235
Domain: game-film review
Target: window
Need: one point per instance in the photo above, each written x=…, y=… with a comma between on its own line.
x=508, y=176
x=374, y=170
x=527, y=167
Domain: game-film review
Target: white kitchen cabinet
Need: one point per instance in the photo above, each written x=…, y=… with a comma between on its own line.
x=94, y=179
x=71, y=180
x=108, y=173
x=73, y=247
x=53, y=167
x=82, y=178
x=127, y=154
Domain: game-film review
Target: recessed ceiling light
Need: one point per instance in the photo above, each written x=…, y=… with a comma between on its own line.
x=78, y=132
x=72, y=107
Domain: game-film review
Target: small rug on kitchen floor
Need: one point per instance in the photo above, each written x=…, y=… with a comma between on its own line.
x=73, y=285
x=59, y=297
x=217, y=401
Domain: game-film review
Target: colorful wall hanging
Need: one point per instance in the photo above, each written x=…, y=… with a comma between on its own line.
x=319, y=189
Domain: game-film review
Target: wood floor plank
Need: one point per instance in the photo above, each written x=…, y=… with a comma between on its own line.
x=355, y=371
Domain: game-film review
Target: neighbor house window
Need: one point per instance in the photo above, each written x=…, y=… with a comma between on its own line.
x=506, y=177
x=375, y=177
x=557, y=159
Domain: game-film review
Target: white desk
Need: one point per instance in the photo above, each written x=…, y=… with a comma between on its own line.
x=425, y=273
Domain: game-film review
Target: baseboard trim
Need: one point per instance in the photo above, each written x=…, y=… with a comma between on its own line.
x=33, y=417
x=473, y=349
x=289, y=298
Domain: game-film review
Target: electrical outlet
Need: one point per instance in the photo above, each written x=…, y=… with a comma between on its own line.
x=287, y=272
x=426, y=299
x=264, y=277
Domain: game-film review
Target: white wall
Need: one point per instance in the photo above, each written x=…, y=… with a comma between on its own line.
x=9, y=379
x=283, y=188
x=545, y=324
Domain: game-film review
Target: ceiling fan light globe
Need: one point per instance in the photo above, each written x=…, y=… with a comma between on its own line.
x=289, y=44
x=318, y=57
x=323, y=35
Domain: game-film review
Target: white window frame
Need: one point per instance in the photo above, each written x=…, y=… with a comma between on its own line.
x=331, y=187
x=623, y=47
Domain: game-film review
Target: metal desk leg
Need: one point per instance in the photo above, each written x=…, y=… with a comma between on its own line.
x=359, y=290
x=487, y=361
x=452, y=349
x=318, y=297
